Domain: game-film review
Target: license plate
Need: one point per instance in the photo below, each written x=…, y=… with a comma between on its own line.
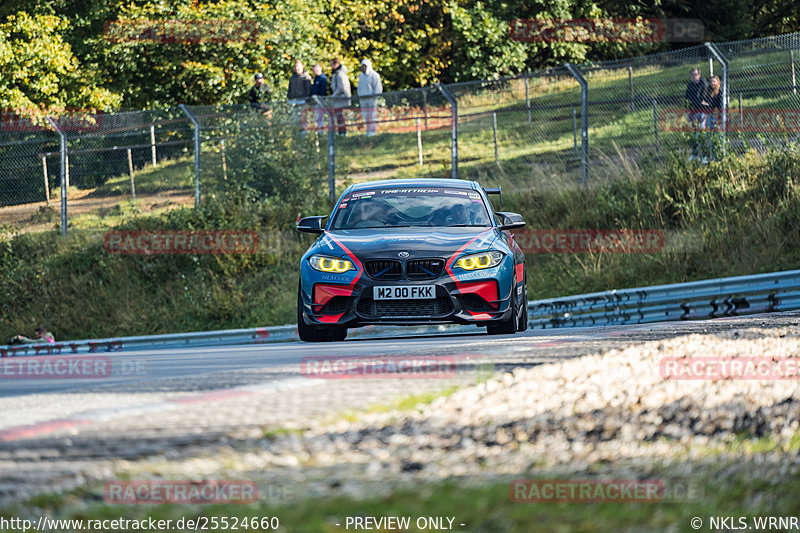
x=405, y=292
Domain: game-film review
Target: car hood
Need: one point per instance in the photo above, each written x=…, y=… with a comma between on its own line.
x=418, y=242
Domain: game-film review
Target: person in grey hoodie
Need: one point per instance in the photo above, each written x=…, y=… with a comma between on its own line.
x=369, y=86
x=340, y=94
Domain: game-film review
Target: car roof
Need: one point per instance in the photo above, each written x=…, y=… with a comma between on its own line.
x=416, y=182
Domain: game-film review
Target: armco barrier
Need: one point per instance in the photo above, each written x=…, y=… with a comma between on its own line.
x=148, y=342
x=210, y=338
x=713, y=298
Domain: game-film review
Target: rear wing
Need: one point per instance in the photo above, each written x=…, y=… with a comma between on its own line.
x=495, y=190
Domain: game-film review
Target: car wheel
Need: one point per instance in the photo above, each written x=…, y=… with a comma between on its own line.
x=510, y=325
x=309, y=333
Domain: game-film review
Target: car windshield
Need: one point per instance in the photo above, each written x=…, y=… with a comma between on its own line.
x=425, y=207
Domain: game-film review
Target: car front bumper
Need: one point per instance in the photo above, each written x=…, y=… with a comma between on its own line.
x=480, y=301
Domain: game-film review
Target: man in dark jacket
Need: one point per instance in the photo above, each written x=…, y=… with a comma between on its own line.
x=340, y=94
x=695, y=92
x=319, y=88
x=299, y=85
x=260, y=95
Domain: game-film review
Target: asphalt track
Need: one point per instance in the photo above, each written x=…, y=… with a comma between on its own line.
x=143, y=367
x=57, y=433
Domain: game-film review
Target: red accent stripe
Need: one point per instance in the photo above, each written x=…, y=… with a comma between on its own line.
x=453, y=257
x=481, y=316
x=324, y=292
x=330, y=319
x=351, y=256
x=485, y=289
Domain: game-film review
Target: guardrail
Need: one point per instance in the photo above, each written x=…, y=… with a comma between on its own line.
x=263, y=335
x=713, y=298
x=147, y=342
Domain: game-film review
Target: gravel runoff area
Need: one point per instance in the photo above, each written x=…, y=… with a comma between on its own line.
x=611, y=412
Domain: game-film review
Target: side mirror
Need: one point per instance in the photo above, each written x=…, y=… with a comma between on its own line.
x=510, y=220
x=312, y=224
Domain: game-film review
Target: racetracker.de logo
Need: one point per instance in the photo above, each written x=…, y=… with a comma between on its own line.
x=30, y=120
x=730, y=368
x=180, y=242
x=746, y=120
x=573, y=241
x=378, y=367
x=181, y=31
x=585, y=490
x=181, y=492
x=70, y=367
x=606, y=30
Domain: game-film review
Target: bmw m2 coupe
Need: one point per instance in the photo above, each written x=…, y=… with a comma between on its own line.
x=410, y=252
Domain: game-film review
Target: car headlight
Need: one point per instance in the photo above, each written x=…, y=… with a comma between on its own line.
x=479, y=261
x=324, y=263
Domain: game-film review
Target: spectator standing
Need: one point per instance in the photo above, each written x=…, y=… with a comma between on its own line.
x=340, y=94
x=299, y=85
x=695, y=91
x=260, y=95
x=319, y=87
x=712, y=100
x=369, y=87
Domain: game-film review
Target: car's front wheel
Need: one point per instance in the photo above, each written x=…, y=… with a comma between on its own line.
x=308, y=333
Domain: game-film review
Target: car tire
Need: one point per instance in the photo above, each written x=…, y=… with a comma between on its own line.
x=508, y=326
x=308, y=333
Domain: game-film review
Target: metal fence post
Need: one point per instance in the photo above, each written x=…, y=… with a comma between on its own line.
x=741, y=113
x=453, y=129
x=655, y=123
x=331, y=151
x=419, y=142
x=791, y=62
x=130, y=173
x=494, y=134
x=63, y=156
x=425, y=107
x=225, y=159
x=584, y=121
x=197, y=146
x=46, y=180
x=630, y=86
x=575, y=132
x=714, y=51
x=527, y=98
x=153, y=143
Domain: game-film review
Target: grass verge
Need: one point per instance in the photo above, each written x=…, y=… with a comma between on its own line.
x=739, y=216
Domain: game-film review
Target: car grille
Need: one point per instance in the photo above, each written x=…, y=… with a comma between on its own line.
x=383, y=269
x=417, y=269
x=474, y=302
x=438, y=307
x=336, y=305
x=424, y=268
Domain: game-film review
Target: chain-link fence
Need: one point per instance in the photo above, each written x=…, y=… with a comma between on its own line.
x=567, y=125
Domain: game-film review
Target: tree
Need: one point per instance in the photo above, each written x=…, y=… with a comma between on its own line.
x=40, y=70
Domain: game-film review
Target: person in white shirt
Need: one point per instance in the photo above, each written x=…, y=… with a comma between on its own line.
x=369, y=87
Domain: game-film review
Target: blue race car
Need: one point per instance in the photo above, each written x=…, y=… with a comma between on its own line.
x=410, y=252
